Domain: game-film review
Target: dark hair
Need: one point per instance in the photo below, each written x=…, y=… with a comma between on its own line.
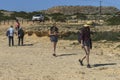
x=11, y=26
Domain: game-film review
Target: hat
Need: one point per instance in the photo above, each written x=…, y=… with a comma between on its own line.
x=86, y=25
x=89, y=24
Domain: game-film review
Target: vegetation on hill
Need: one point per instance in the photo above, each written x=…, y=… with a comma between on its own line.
x=115, y=20
x=65, y=13
x=70, y=10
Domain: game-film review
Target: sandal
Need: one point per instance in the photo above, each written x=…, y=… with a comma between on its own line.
x=88, y=66
x=55, y=55
x=81, y=63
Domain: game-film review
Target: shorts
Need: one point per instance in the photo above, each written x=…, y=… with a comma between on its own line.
x=87, y=43
x=54, y=38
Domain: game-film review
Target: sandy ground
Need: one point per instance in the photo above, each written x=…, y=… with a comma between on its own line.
x=34, y=61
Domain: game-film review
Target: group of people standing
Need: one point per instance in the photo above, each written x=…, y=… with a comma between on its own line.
x=84, y=39
x=18, y=31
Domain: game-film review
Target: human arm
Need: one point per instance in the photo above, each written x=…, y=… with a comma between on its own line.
x=53, y=31
x=7, y=33
x=82, y=42
x=82, y=38
x=50, y=33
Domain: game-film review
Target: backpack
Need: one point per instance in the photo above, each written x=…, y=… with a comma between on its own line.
x=79, y=37
x=7, y=33
x=20, y=32
x=79, y=34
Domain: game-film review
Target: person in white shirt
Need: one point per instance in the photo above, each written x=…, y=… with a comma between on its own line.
x=10, y=34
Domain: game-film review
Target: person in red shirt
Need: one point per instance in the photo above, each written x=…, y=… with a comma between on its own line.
x=17, y=26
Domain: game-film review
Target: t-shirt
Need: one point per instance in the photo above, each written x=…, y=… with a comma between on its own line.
x=85, y=34
x=11, y=32
x=17, y=25
x=54, y=29
x=20, y=32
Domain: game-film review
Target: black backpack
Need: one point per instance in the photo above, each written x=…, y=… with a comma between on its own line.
x=7, y=33
x=21, y=32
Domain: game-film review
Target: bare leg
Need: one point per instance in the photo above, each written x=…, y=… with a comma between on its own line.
x=54, y=46
x=83, y=58
x=87, y=51
x=81, y=61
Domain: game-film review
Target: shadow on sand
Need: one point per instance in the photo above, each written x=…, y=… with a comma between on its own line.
x=28, y=44
x=67, y=54
x=105, y=64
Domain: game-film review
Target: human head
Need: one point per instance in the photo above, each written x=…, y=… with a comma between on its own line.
x=16, y=20
x=11, y=26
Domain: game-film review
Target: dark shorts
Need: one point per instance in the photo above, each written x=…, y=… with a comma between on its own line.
x=88, y=43
x=54, y=38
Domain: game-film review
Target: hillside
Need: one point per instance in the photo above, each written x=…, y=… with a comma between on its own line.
x=68, y=10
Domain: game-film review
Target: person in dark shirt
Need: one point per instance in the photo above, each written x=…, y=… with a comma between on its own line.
x=53, y=33
x=86, y=43
x=20, y=36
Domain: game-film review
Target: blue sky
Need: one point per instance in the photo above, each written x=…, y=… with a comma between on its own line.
x=36, y=5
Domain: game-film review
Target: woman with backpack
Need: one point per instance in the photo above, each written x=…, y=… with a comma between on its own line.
x=86, y=42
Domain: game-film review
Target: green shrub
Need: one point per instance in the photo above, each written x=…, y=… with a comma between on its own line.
x=109, y=36
x=97, y=36
x=70, y=36
x=81, y=16
x=58, y=17
x=118, y=46
x=115, y=20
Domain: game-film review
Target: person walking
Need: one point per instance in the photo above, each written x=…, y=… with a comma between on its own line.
x=10, y=34
x=86, y=42
x=20, y=36
x=53, y=33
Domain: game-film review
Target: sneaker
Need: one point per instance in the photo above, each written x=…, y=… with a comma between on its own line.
x=81, y=63
x=88, y=66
